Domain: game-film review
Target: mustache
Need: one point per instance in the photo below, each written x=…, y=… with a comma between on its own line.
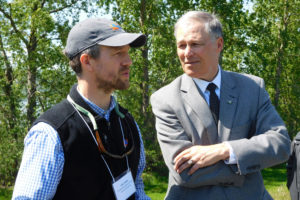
x=124, y=69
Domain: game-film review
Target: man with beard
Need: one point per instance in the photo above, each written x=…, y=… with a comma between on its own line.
x=87, y=146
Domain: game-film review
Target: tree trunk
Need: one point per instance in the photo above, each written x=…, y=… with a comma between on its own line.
x=31, y=78
x=277, y=78
x=283, y=43
x=145, y=83
x=8, y=90
x=148, y=117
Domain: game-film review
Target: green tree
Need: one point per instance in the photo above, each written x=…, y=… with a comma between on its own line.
x=32, y=37
x=264, y=42
x=152, y=18
x=273, y=54
x=156, y=64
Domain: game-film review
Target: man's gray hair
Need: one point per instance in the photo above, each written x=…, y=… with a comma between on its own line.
x=211, y=23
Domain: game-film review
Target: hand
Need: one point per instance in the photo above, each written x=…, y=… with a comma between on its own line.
x=199, y=156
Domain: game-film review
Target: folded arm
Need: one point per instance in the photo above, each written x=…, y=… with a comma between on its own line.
x=173, y=139
x=270, y=143
x=199, y=156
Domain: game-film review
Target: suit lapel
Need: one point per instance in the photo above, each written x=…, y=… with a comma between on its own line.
x=228, y=104
x=194, y=98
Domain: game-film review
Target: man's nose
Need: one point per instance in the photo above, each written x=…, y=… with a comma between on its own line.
x=188, y=51
x=127, y=61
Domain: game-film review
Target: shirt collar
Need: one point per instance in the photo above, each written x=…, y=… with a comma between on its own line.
x=202, y=84
x=97, y=109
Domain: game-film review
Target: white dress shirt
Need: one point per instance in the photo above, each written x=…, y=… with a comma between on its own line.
x=202, y=85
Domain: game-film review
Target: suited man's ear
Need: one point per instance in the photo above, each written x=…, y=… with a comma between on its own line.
x=220, y=43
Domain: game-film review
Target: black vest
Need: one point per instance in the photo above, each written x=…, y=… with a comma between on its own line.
x=85, y=175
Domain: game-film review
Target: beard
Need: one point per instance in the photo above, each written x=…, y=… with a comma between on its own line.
x=115, y=84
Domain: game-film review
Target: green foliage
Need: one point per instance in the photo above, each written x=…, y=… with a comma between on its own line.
x=34, y=74
x=156, y=64
x=5, y=193
x=10, y=154
x=155, y=185
x=273, y=55
x=155, y=163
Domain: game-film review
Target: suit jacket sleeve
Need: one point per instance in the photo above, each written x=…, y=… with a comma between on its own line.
x=269, y=145
x=173, y=139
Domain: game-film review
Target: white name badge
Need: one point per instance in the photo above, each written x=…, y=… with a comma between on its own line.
x=124, y=186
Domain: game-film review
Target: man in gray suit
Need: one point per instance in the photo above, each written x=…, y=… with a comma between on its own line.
x=217, y=129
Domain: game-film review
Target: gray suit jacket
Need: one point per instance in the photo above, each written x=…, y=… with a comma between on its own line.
x=247, y=120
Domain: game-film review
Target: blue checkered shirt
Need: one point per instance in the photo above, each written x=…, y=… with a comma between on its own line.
x=43, y=161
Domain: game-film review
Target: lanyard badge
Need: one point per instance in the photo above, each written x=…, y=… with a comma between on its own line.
x=123, y=186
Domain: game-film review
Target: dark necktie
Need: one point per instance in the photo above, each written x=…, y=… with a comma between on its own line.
x=214, y=102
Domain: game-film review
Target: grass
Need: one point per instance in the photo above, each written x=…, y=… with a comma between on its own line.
x=275, y=182
x=5, y=193
x=156, y=186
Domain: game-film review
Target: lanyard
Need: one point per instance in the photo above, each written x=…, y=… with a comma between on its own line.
x=95, y=127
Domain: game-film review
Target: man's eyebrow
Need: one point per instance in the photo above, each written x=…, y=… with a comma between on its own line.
x=118, y=48
x=191, y=41
x=179, y=41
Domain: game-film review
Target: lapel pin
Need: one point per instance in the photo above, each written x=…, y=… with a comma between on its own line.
x=229, y=102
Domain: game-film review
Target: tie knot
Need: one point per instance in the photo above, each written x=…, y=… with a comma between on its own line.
x=211, y=87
